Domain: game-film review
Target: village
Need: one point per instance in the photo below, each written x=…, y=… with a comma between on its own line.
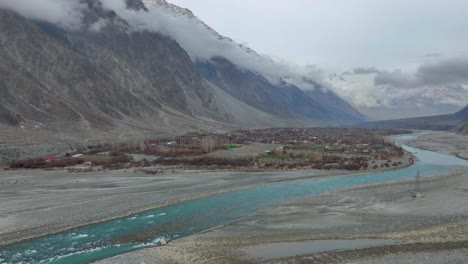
x=351, y=149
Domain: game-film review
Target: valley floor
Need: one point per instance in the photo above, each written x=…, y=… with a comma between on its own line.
x=384, y=223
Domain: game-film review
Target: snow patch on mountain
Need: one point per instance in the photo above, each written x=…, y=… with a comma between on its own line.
x=386, y=102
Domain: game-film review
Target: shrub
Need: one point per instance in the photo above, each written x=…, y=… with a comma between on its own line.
x=42, y=164
x=205, y=161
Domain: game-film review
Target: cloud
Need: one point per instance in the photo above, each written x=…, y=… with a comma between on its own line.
x=396, y=78
x=443, y=72
x=448, y=71
x=439, y=82
x=200, y=42
x=66, y=13
x=432, y=55
x=362, y=70
x=203, y=44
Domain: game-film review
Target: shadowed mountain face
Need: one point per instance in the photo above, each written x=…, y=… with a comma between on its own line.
x=283, y=100
x=162, y=70
x=43, y=81
x=117, y=78
x=339, y=108
x=441, y=122
x=95, y=79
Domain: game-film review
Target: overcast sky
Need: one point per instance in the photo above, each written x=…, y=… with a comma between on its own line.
x=339, y=35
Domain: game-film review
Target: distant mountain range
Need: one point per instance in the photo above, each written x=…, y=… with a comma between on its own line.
x=393, y=103
x=117, y=79
x=456, y=122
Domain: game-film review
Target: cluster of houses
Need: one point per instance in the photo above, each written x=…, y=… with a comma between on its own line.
x=345, y=140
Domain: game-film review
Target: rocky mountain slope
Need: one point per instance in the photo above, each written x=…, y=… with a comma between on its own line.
x=285, y=100
x=116, y=80
x=187, y=13
x=55, y=79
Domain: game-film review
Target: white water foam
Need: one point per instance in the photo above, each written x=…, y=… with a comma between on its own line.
x=152, y=243
x=30, y=252
x=80, y=236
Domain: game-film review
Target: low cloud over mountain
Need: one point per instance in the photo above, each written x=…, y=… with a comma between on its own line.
x=444, y=72
x=437, y=85
x=66, y=13
x=200, y=43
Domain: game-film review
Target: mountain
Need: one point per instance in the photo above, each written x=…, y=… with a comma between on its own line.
x=179, y=11
x=115, y=80
x=282, y=99
x=339, y=108
x=83, y=80
x=187, y=13
x=440, y=122
x=385, y=102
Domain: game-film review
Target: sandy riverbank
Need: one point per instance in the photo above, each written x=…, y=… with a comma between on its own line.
x=443, y=142
x=432, y=229
x=36, y=203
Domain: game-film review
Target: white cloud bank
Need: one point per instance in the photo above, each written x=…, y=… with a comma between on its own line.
x=201, y=44
x=66, y=13
x=443, y=81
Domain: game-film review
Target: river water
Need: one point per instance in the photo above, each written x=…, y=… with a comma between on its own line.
x=99, y=241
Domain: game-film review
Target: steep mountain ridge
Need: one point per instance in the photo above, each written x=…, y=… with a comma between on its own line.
x=103, y=81
x=179, y=11
x=284, y=100
x=187, y=13
x=258, y=92
x=60, y=85
x=341, y=110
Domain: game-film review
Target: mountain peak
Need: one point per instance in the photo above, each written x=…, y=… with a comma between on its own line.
x=181, y=12
x=335, y=77
x=136, y=5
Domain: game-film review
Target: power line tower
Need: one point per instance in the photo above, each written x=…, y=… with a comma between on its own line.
x=417, y=187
